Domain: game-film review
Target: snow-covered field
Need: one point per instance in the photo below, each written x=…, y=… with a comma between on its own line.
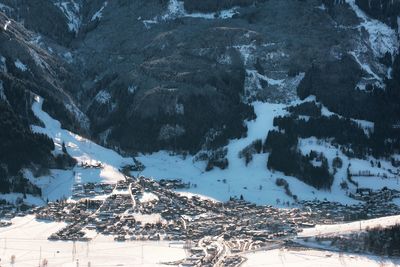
x=346, y=228
x=313, y=258
x=27, y=240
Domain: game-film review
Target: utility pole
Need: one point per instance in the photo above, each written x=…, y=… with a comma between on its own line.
x=73, y=250
x=40, y=255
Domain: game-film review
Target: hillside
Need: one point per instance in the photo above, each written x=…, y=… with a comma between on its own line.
x=228, y=95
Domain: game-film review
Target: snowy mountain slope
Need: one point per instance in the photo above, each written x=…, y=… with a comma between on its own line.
x=382, y=38
x=71, y=10
x=59, y=183
x=192, y=74
x=255, y=182
x=247, y=180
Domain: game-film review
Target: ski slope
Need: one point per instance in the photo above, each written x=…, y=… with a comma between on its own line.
x=59, y=183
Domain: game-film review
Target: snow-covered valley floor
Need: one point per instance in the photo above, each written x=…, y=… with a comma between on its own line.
x=314, y=258
x=27, y=240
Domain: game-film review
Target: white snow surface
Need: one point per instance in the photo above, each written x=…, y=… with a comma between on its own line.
x=31, y=200
x=148, y=197
x=311, y=258
x=20, y=65
x=365, y=67
x=99, y=13
x=103, y=97
x=6, y=25
x=59, y=183
x=346, y=228
x=71, y=10
x=255, y=182
x=3, y=66
x=176, y=10
x=26, y=238
x=382, y=38
x=239, y=178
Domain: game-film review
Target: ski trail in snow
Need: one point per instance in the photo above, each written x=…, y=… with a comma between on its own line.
x=59, y=183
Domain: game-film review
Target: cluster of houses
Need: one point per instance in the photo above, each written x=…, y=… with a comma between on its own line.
x=10, y=210
x=377, y=196
x=145, y=209
x=325, y=212
x=92, y=164
x=148, y=210
x=72, y=232
x=214, y=251
x=91, y=189
x=5, y=223
x=167, y=215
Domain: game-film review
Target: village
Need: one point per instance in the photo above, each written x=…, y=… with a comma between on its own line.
x=214, y=233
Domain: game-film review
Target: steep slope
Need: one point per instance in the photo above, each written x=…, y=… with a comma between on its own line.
x=180, y=74
x=27, y=69
x=185, y=76
x=183, y=72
